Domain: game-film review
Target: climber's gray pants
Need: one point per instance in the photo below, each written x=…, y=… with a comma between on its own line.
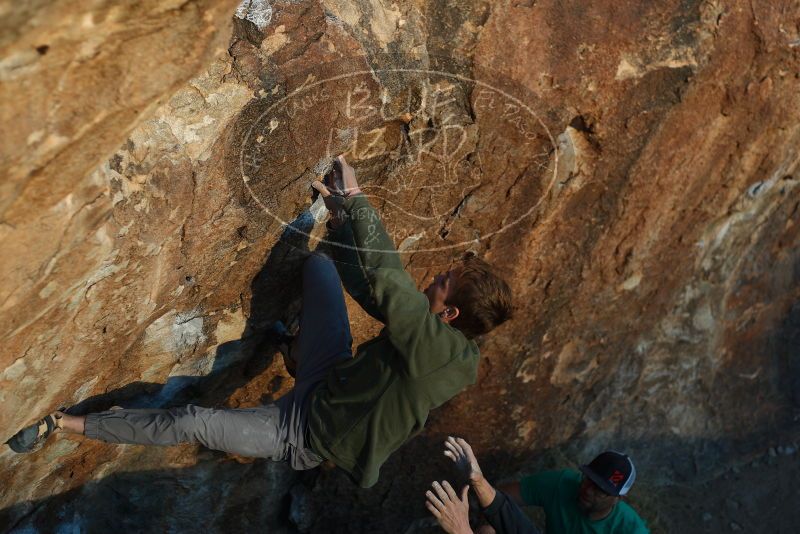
x=275, y=431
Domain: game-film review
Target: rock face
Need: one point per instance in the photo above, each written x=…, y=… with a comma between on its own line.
x=630, y=167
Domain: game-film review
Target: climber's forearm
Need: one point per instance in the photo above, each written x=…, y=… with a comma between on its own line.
x=484, y=491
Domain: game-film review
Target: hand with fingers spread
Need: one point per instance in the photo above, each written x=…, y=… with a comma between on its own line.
x=461, y=453
x=450, y=511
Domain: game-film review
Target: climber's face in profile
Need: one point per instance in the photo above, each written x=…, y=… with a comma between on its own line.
x=593, y=500
x=441, y=291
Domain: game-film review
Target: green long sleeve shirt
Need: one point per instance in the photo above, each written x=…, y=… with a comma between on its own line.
x=373, y=403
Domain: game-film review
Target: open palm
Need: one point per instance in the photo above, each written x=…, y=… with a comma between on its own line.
x=461, y=453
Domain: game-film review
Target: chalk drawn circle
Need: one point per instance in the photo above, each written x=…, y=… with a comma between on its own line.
x=428, y=72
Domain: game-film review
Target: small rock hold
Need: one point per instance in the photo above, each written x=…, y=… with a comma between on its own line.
x=259, y=12
x=707, y=517
x=772, y=452
x=735, y=526
x=789, y=450
x=755, y=189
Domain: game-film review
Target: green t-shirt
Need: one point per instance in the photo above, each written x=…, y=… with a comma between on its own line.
x=557, y=493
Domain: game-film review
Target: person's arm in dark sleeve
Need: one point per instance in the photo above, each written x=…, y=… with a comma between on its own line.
x=508, y=518
x=348, y=264
x=424, y=340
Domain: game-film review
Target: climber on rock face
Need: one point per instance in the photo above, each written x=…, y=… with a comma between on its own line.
x=574, y=503
x=354, y=411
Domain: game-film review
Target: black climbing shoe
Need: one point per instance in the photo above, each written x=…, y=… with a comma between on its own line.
x=32, y=438
x=284, y=340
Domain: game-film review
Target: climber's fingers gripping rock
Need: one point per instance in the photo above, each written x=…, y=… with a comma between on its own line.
x=342, y=179
x=348, y=177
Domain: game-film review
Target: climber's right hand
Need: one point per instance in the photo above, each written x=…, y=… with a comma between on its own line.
x=334, y=203
x=348, y=177
x=461, y=453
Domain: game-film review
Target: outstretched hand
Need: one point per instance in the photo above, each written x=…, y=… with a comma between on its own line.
x=450, y=511
x=461, y=453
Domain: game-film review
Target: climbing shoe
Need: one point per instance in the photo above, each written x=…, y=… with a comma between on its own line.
x=284, y=340
x=32, y=438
